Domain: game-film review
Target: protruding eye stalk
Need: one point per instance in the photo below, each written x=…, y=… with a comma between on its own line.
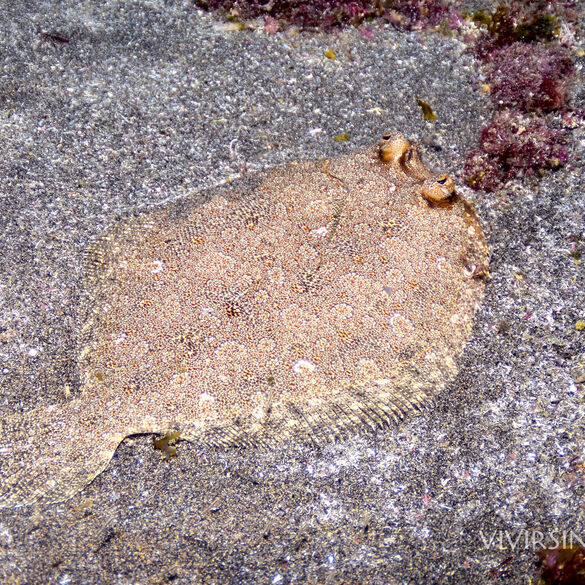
x=397, y=151
x=393, y=147
x=438, y=189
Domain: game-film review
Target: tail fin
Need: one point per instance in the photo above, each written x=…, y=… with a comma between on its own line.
x=47, y=455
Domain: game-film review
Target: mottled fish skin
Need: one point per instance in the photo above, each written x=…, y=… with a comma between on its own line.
x=335, y=294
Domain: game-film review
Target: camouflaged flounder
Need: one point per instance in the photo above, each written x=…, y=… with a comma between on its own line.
x=329, y=295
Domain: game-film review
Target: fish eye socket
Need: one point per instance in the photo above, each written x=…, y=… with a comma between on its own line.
x=386, y=137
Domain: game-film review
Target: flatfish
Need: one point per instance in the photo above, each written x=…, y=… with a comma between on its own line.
x=299, y=304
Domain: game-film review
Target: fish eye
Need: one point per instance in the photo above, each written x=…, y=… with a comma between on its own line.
x=442, y=181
